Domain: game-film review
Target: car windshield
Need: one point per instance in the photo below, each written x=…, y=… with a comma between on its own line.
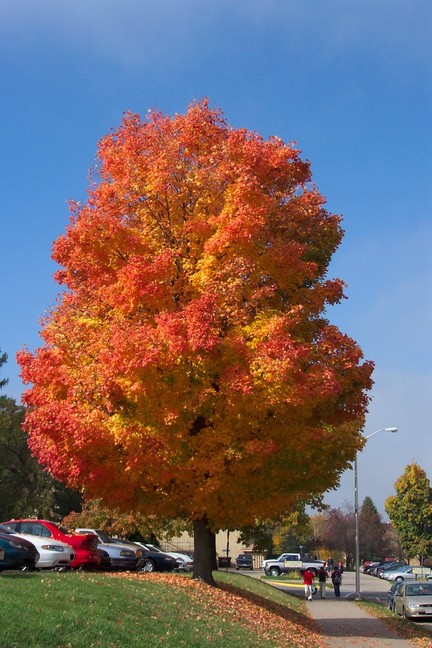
x=153, y=548
x=4, y=529
x=104, y=536
x=425, y=589
x=62, y=528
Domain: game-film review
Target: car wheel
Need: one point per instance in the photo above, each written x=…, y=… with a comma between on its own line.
x=274, y=571
x=399, y=579
x=148, y=566
x=404, y=613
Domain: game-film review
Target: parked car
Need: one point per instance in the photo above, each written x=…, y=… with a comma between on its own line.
x=156, y=561
x=105, y=561
x=244, y=561
x=84, y=546
x=380, y=571
x=53, y=554
x=152, y=560
x=367, y=563
x=185, y=561
x=366, y=568
x=16, y=553
x=149, y=560
x=401, y=574
x=121, y=556
x=414, y=600
x=391, y=594
x=373, y=568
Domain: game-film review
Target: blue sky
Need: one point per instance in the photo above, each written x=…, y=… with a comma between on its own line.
x=349, y=81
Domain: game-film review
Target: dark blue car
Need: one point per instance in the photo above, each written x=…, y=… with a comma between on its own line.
x=244, y=561
x=16, y=553
x=391, y=595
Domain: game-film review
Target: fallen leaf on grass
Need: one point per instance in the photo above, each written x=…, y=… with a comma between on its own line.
x=273, y=621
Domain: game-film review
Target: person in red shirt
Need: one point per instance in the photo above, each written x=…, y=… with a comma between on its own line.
x=308, y=579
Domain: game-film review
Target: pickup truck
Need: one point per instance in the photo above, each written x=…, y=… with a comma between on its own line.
x=289, y=562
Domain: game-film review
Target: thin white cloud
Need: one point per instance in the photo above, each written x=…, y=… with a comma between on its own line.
x=143, y=32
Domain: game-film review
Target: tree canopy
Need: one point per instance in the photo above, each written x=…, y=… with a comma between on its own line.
x=374, y=540
x=3, y=359
x=25, y=488
x=410, y=511
x=188, y=369
x=124, y=524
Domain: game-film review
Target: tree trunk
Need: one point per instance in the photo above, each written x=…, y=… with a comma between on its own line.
x=213, y=551
x=204, y=552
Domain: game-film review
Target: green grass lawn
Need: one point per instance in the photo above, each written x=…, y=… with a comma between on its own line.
x=82, y=610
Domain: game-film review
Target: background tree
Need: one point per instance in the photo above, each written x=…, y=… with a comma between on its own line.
x=123, y=524
x=410, y=511
x=339, y=534
x=25, y=488
x=316, y=535
x=393, y=542
x=188, y=370
x=293, y=532
x=334, y=532
x=260, y=536
x=374, y=541
x=3, y=360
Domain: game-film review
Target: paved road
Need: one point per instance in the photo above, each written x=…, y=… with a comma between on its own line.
x=371, y=588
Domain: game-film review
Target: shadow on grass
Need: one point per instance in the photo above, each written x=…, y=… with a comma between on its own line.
x=18, y=574
x=277, y=608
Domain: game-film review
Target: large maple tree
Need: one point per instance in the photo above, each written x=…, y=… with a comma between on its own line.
x=189, y=369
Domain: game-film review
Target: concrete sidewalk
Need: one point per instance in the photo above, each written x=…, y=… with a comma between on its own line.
x=345, y=624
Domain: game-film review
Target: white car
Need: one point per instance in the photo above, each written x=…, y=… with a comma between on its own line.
x=53, y=554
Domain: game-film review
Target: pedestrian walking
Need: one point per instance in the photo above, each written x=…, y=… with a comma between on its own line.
x=308, y=579
x=322, y=578
x=337, y=581
x=330, y=564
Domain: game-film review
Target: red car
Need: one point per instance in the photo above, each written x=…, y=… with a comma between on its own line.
x=85, y=546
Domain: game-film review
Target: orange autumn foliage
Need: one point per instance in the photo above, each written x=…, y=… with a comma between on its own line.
x=189, y=370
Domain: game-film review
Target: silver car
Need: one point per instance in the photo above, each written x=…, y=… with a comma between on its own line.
x=414, y=600
x=402, y=574
x=121, y=555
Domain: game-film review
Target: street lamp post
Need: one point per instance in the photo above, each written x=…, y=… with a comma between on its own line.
x=356, y=515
